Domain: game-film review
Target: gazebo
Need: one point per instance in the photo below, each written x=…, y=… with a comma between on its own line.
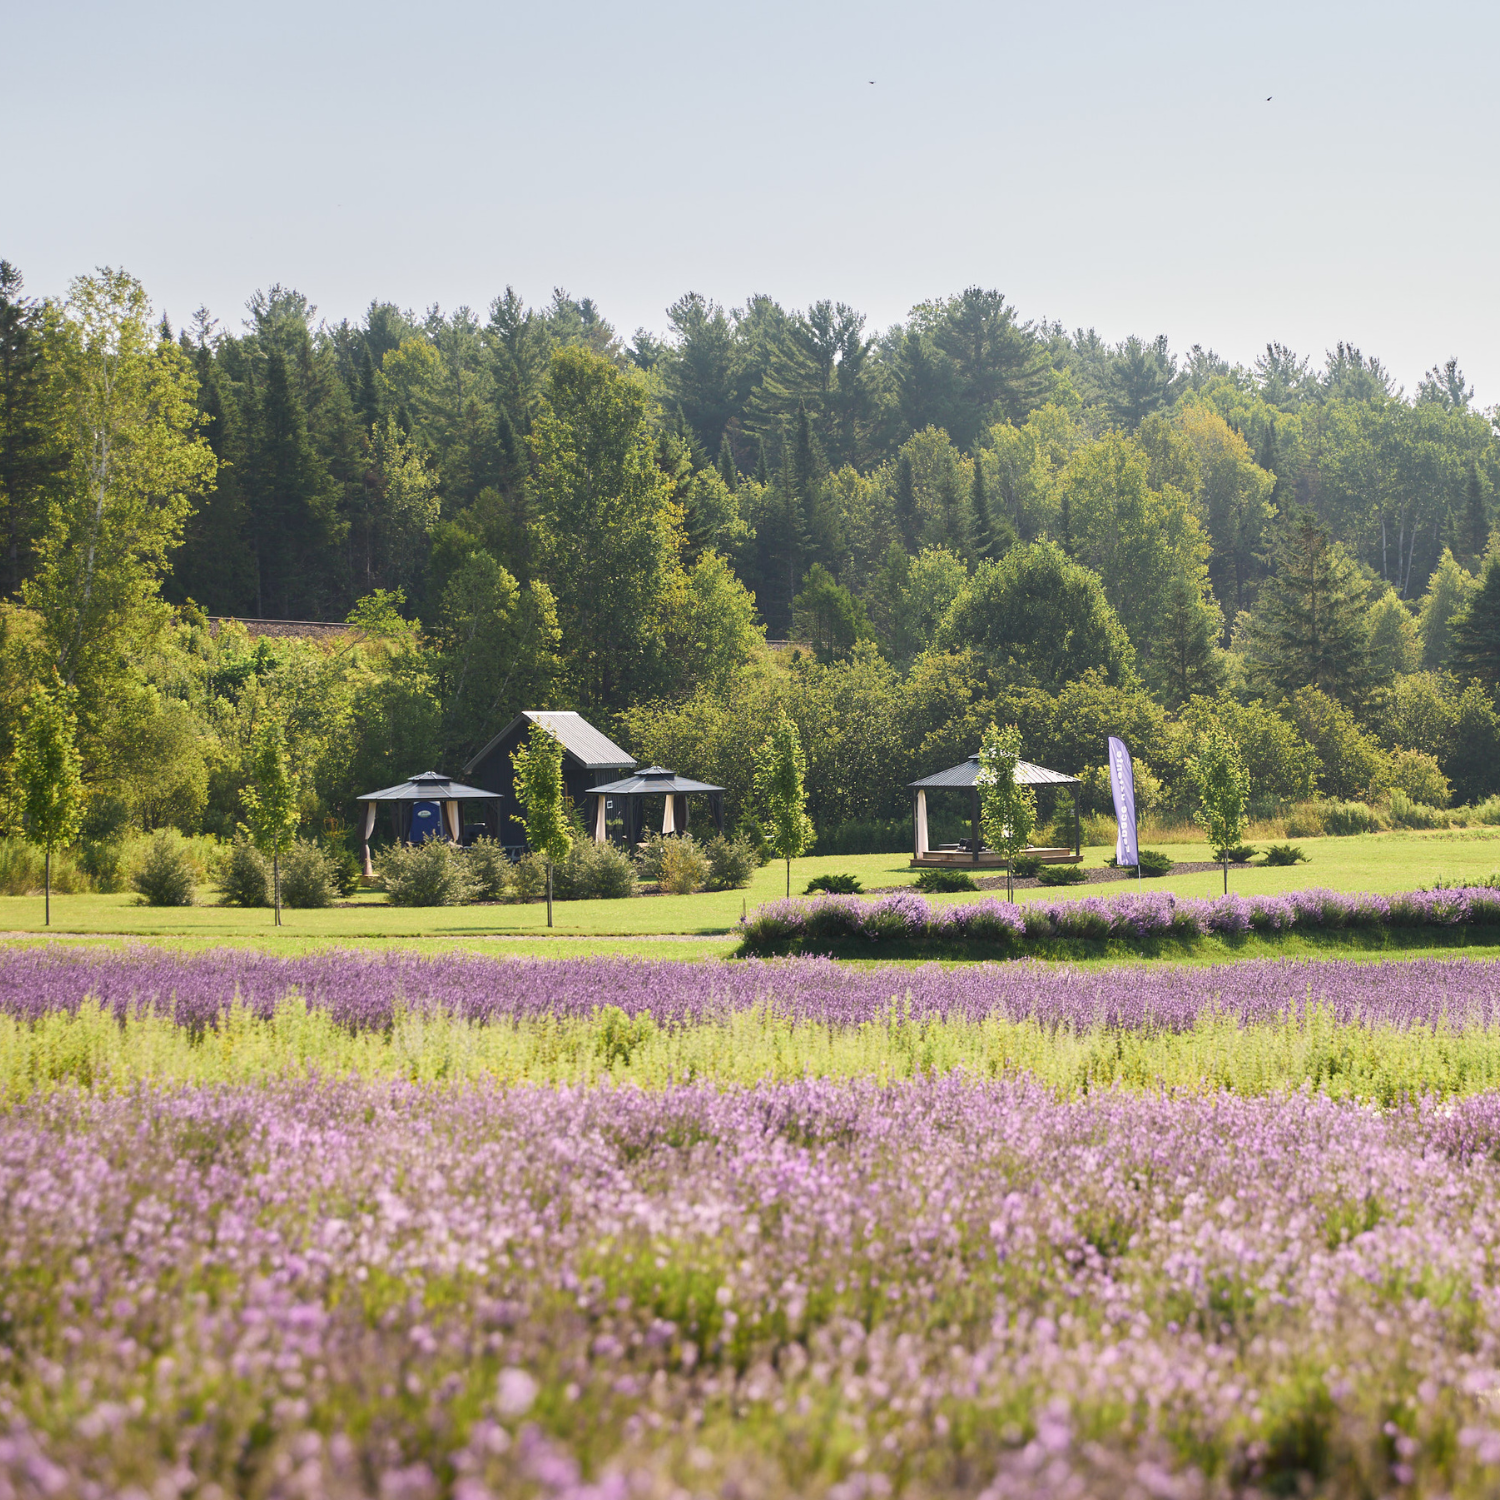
x=424, y=807
x=971, y=851
x=654, y=781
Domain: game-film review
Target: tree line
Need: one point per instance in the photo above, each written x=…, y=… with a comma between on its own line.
x=967, y=516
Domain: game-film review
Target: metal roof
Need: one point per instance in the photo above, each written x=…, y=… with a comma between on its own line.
x=653, y=779
x=594, y=750
x=430, y=786
x=967, y=774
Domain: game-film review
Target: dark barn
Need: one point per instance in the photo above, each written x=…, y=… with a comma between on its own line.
x=590, y=758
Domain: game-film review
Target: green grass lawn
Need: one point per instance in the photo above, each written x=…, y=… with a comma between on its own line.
x=1375, y=862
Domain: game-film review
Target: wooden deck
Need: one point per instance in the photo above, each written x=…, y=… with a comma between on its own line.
x=961, y=859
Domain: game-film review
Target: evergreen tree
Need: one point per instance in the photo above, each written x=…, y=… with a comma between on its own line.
x=906, y=503
x=1184, y=661
x=291, y=500
x=1476, y=521
x=762, y=461
x=728, y=470
x=1309, y=630
x=1475, y=651
x=32, y=452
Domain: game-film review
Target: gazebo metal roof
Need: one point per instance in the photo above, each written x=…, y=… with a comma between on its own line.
x=967, y=774
x=652, y=779
x=429, y=786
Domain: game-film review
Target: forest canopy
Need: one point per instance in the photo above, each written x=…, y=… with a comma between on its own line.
x=894, y=535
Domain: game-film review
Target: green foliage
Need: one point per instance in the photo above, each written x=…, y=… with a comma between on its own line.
x=166, y=877
x=684, y=866
x=489, y=869
x=1242, y=854
x=594, y=872
x=541, y=792
x=731, y=863
x=1309, y=629
x=1402, y=812
x=1284, y=854
x=1353, y=765
x=246, y=880
x=1418, y=777
x=1154, y=862
x=1060, y=875
x=103, y=861
x=834, y=885
x=1007, y=809
x=1039, y=619
x=1475, y=649
x=1345, y=819
x=1444, y=602
x=779, y=776
x=1223, y=787
x=308, y=877
x=432, y=873
x=945, y=880
x=1471, y=765
x=828, y=616
x=1025, y=866
x=48, y=770
x=529, y=882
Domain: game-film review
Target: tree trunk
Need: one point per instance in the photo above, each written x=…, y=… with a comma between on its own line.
x=47, y=883
x=276, y=881
x=789, y=876
x=549, y=892
x=1226, y=872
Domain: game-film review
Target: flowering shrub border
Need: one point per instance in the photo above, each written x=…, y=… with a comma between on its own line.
x=906, y=916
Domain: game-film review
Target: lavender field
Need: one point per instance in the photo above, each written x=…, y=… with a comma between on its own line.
x=810, y=1289
x=393, y=1227
x=1377, y=1033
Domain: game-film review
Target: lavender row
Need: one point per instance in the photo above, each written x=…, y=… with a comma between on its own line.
x=809, y=1289
x=905, y=915
x=364, y=992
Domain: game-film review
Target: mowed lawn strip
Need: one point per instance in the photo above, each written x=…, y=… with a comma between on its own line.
x=1386, y=862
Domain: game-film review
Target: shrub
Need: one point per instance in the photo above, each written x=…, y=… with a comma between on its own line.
x=308, y=877
x=592, y=872
x=247, y=877
x=347, y=868
x=1241, y=854
x=1024, y=866
x=865, y=836
x=489, y=869
x=433, y=873
x=1152, y=861
x=1344, y=819
x=166, y=875
x=1403, y=812
x=528, y=880
x=945, y=880
x=748, y=831
x=731, y=863
x=107, y=820
x=1284, y=854
x=1305, y=821
x=648, y=857
x=104, y=864
x=1060, y=875
x=684, y=866
x=20, y=868
x=1419, y=776
x=835, y=885
x=1487, y=812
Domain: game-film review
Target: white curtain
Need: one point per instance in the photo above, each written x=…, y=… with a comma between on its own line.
x=921, y=824
x=667, y=823
x=599, y=833
x=454, y=829
x=369, y=829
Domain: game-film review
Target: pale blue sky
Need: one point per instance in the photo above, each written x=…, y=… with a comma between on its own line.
x=1106, y=164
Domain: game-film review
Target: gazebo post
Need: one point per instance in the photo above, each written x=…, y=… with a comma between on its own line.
x=1077, y=828
x=974, y=825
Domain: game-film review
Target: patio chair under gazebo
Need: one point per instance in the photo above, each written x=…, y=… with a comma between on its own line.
x=654, y=781
x=964, y=778
x=426, y=806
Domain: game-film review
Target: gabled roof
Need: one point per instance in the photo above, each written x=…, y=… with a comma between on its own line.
x=652, y=779
x=593, y=750
x=429, y=786
x=967, y=774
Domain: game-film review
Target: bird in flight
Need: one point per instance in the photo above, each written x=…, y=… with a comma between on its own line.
x=1268, y=98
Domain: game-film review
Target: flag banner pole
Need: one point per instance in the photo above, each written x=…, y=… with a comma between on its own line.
x=1122, y=785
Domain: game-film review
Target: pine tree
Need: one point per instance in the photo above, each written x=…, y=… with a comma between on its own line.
x=1475, y=651
x=906, y=503
x=1476, y=514
x=728, y=469
x=32, y=452
x=1183, y=662
x=1310, y=628
x=762, y=461
x=981, y=537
